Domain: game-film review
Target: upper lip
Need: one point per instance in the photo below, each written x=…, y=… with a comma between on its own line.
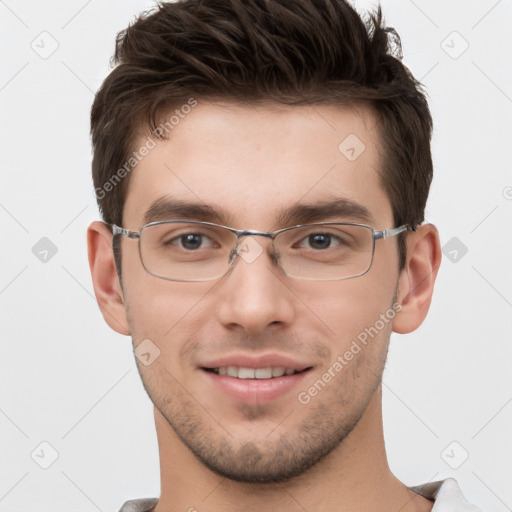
x=260, y=361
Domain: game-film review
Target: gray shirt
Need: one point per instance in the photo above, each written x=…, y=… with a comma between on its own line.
x=446, y=495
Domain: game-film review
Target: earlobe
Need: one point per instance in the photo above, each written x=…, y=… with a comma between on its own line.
x=417, y=279
x=104, y=277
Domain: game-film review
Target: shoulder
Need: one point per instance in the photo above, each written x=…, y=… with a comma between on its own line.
x=139, y=505
x=447, y=496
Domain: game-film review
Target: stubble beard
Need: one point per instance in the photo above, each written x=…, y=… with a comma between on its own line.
x=282, y=454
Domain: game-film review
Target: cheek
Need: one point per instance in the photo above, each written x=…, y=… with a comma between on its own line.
x=162, y=310
x=349, y=306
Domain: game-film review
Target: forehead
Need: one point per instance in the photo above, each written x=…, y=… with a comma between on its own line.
x=254, y=162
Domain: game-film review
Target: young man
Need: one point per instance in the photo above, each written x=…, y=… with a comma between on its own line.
x=262, y=168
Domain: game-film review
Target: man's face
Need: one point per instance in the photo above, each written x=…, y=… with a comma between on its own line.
x=252, y=164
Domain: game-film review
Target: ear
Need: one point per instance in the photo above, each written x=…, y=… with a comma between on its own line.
x=416, y=281
x=104, y=277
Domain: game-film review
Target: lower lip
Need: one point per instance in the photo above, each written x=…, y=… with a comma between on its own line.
x=255, y=391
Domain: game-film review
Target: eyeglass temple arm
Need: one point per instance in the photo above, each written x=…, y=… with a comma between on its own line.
x=116, y=230
x=393, y=232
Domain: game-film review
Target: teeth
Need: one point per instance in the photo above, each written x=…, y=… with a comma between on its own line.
x=254, y=373
x=263, y=373
x=246, y=373
x=277, y=371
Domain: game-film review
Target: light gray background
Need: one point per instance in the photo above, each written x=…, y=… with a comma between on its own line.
x=66, y=379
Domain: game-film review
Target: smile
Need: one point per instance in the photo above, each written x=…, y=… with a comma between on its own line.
x=241, y=372
x=255, y=386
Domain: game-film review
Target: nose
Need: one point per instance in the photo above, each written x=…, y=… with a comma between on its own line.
x=254, y=294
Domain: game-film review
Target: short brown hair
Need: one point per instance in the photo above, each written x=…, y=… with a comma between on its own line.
x=286, y=51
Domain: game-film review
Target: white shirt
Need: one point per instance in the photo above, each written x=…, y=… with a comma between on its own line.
x=446, y=495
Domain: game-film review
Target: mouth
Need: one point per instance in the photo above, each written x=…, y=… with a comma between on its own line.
x=241, y=372
x=256, y=384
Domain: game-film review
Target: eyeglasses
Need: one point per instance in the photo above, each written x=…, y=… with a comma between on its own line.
x=188, y=250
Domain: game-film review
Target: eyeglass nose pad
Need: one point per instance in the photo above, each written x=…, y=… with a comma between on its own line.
x=233, y=254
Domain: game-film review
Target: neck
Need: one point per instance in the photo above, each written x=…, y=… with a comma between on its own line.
x=353, y=477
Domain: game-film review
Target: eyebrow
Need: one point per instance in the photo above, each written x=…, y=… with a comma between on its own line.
x=169, y=208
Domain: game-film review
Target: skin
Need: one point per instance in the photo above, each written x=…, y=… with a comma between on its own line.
x=216, y=453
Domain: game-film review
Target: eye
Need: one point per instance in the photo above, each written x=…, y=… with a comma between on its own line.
x=191, y=241
x=320, y=241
